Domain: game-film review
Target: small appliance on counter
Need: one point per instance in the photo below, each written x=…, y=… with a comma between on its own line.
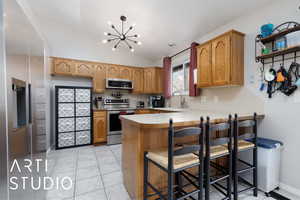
x=98, y=102
x=140, y=104
x=156, y=101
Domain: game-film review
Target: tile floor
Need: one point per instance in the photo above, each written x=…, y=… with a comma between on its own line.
x=96, y=174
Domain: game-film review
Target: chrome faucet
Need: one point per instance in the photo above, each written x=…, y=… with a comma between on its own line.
x=183, y=101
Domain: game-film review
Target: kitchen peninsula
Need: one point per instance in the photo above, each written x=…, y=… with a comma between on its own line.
x=149, y=131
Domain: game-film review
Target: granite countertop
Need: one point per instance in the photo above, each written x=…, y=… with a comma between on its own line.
x=183, y=118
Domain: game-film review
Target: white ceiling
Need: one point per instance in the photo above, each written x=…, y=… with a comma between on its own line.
x=159, y=22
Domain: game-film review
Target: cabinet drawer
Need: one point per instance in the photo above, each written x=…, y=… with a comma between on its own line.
x=99, y=113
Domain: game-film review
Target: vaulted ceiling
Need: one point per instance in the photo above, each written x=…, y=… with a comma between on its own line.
x=159, y=22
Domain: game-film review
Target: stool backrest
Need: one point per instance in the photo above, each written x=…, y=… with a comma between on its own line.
x=184, y=132
x=210, y=128
x=252, y=124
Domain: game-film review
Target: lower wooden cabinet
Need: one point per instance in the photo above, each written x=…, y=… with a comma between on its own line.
x=100, y=130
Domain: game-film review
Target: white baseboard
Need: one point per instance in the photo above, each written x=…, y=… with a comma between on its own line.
x=290, y=189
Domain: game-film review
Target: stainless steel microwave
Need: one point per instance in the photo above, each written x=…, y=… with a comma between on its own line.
x=113, y=83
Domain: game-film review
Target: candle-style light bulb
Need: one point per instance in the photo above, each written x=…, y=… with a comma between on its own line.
x=104, y=41
x=139, y=43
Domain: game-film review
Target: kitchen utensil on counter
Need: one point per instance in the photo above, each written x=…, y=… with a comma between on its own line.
x=140, y=104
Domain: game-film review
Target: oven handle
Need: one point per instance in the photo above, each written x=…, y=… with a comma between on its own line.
x=113, y=112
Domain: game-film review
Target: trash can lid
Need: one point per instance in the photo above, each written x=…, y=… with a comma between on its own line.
x=268, y=143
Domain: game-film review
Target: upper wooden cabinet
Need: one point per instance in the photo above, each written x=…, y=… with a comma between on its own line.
x=113, y=71
x=99, y=78
x=146, y=80
x=220, y=61
x=149, y=80
x=153, y=80
x=126, y=73
x=63, y=66
x=84, y=69
x=138, y=80
x=204, y=60
x=160, y=80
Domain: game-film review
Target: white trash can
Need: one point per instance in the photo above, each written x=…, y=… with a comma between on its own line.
x=269, y=155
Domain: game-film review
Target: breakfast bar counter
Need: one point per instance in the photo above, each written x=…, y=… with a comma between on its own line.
x=146, y=132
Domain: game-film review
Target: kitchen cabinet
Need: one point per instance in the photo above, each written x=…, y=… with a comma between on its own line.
x=100, y=131
x=153, y=77
x=99, y=78
x=83, y=69
x=138, y=80
x=160, y=80
x=220, y=61
x=113, y=71
x=204, y=60
x=126, y=73
x=63, y=66
x=149, y=80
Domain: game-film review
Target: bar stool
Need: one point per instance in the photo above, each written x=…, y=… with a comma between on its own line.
x=174, y=160
x=245, y=142
x=217, y=148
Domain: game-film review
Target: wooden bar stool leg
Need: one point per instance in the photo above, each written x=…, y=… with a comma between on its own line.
x=145, y=177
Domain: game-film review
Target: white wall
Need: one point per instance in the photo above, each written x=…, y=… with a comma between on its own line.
x=282, y=113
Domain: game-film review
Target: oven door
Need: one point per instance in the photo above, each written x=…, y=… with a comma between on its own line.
x=114, y=123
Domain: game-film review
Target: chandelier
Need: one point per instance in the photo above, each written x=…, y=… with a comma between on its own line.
x=121, y=36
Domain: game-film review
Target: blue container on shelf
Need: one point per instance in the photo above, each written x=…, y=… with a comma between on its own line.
x=266, y=30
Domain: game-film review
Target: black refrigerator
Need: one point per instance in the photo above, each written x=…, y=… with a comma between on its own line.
x=73, y=116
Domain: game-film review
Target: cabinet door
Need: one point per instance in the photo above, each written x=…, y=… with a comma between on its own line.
x=159, y=81
x=100, y=132
x=126, y=73
x=204, y=65
x=149, y=81
x=221, y=61
x=113, y=71
x=84, y=69
x=63, y=66
x=99, y=78
x=138, y=80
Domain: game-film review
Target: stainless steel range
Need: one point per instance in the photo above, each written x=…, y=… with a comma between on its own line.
x=115, y=108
